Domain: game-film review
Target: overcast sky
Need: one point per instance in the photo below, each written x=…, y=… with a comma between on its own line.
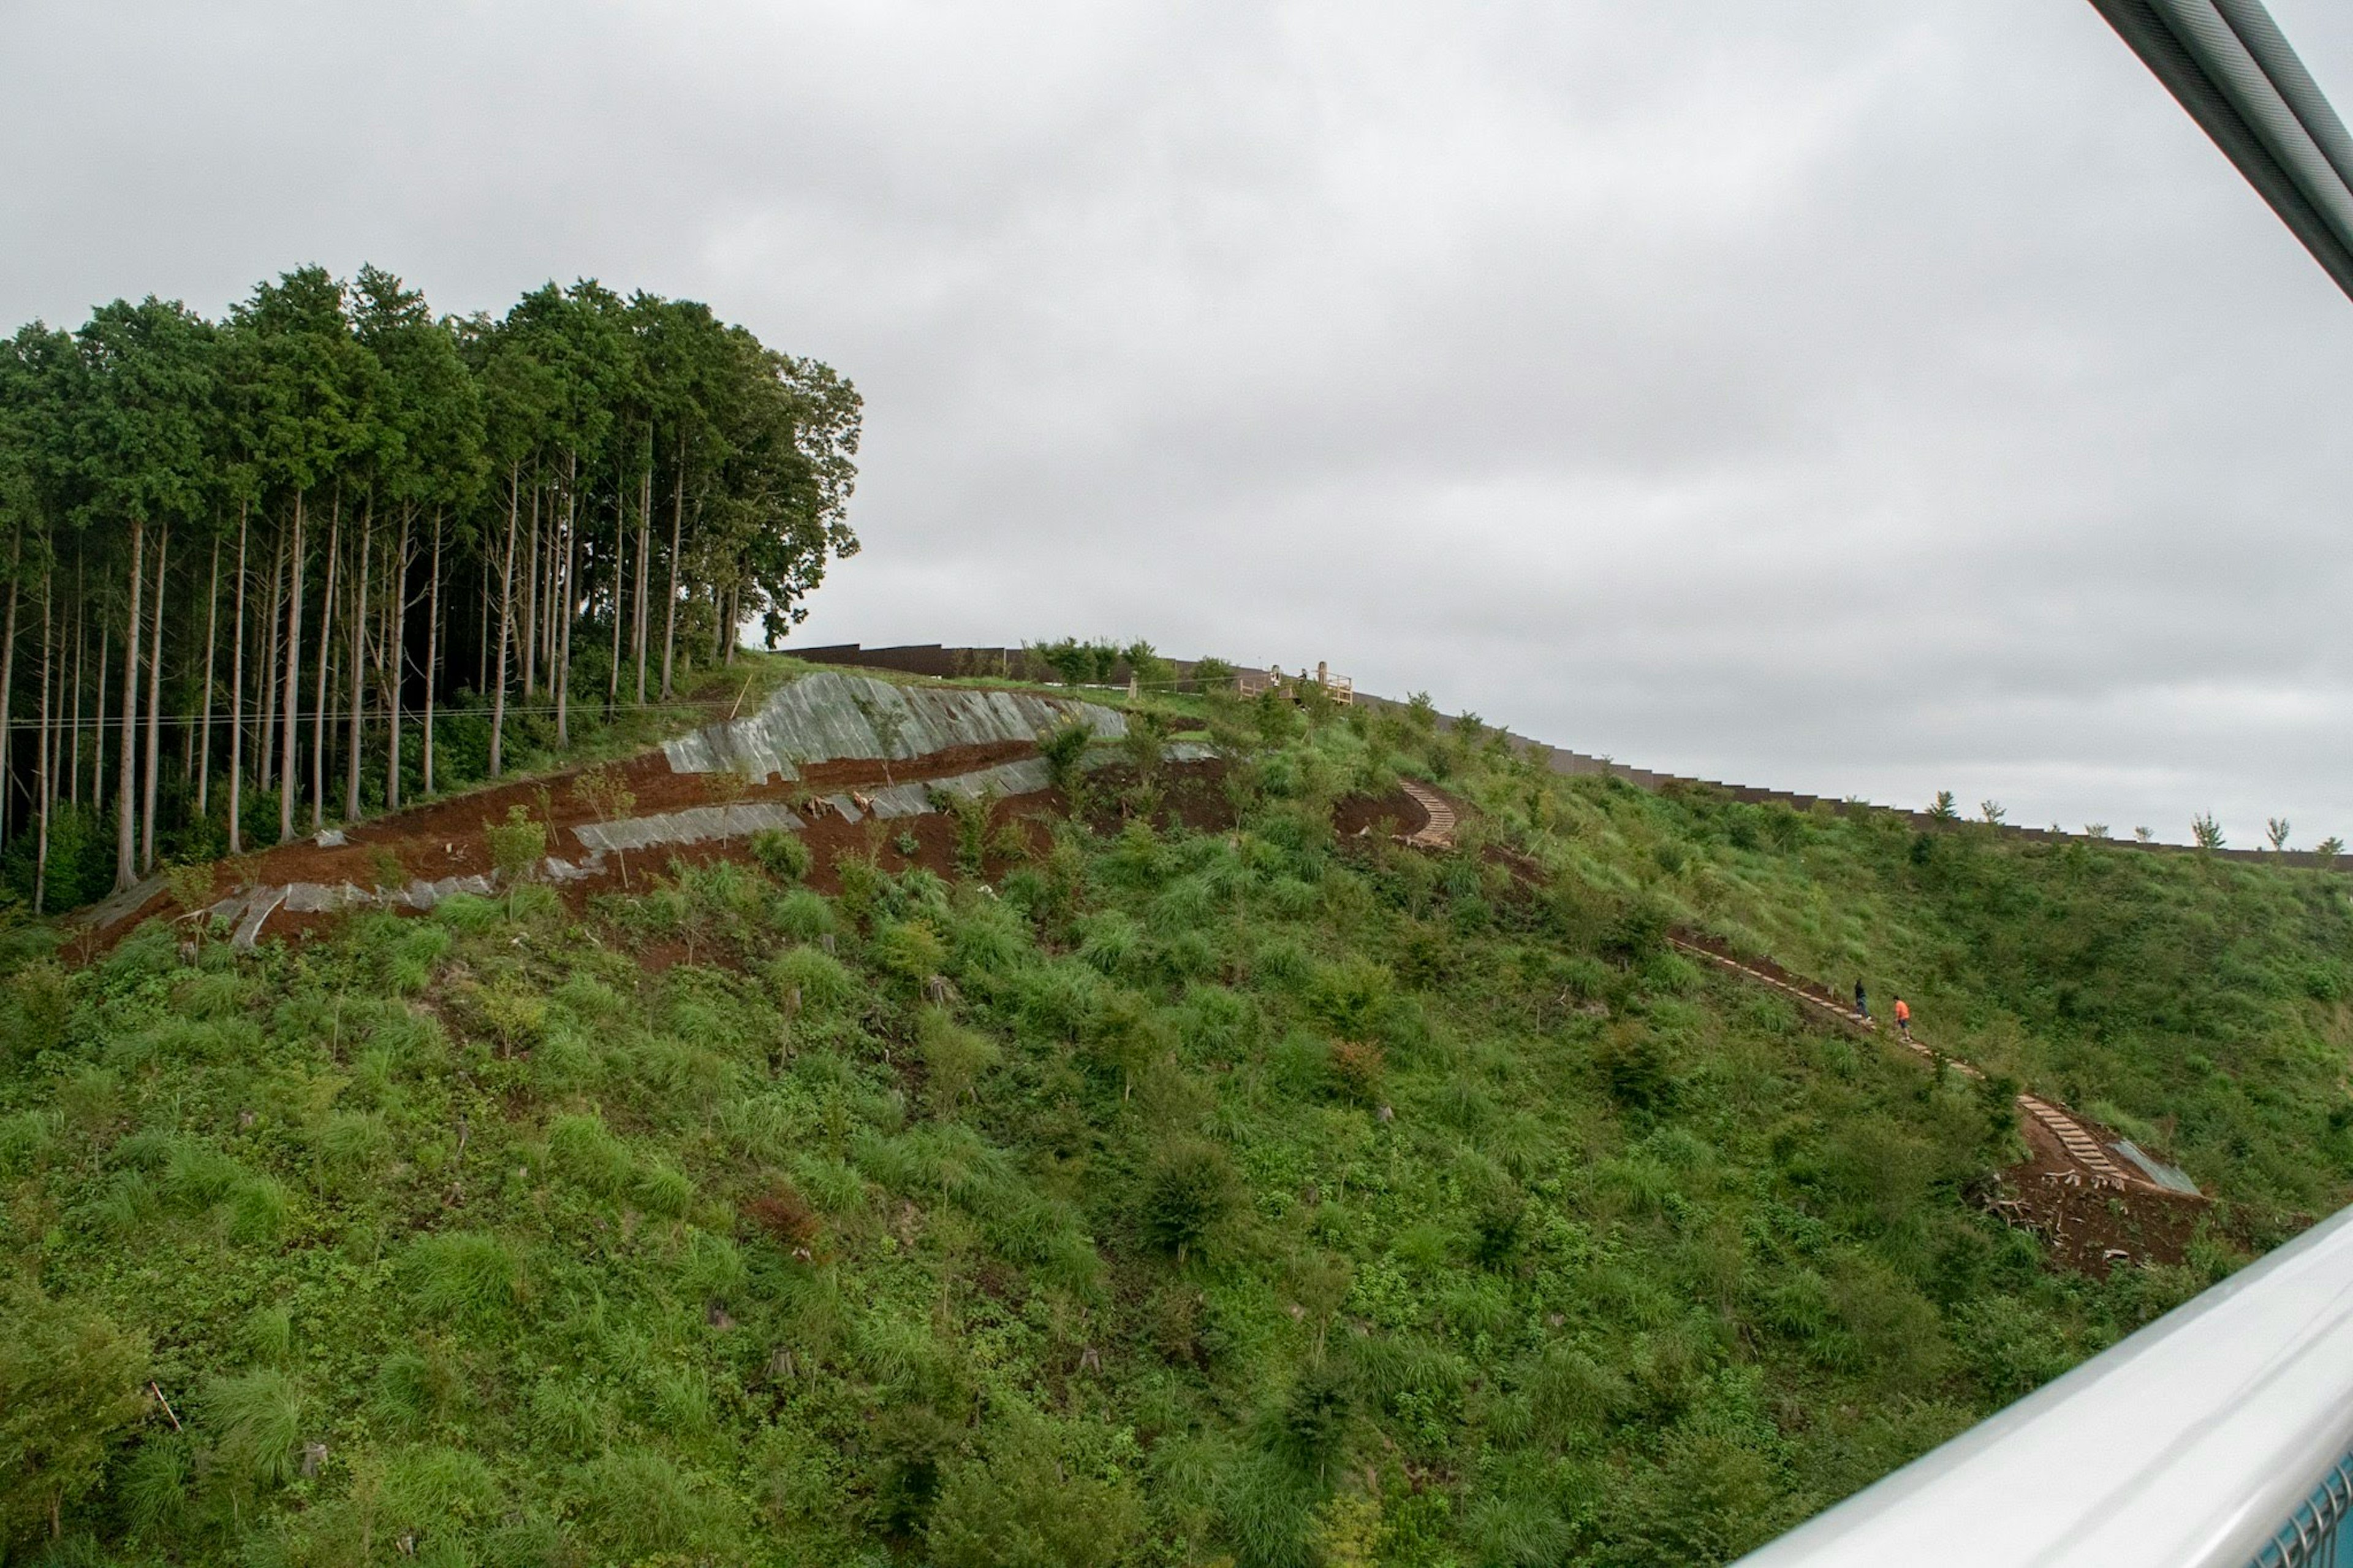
x=1867, y=399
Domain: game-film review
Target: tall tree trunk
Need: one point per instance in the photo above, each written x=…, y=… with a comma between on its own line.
x=357, y=731
x=482, y=642
x=561, y=677
x=734, y=624
x=212, y=629
x=291, y=700
x=620, y=560
x=8, y=680
x=531, y=603
x=265, y=674
x=506, y=624
x=396, y=611
x=155, y=709
x=81, y=662
x=126, y=784
x=326, y=661
x=48, y=744
x=97, y=722
x=645, y=559
x=676, y=531
x=236, y=704
x=552, y=615
x=432, y=646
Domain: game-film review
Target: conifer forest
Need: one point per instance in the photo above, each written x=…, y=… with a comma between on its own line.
x=332, y=551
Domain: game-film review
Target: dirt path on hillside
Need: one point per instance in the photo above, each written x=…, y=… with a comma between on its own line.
x=2093, y=1211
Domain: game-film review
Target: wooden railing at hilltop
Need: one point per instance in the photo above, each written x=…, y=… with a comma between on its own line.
x=1022, y=664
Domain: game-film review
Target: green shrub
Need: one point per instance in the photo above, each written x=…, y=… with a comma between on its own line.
x=1064, y=749
x=69, y=1384
x=468, y=1274
x=802, y=915
x=638, y=1504
x=590, y=1155
x=910, y=949
x=256, y=1420
x=466, y=912
x=712, y=1267
x=1189, y=1192
x=38, y=1003
x=1637, y=932
x=267, y=1335
x=515, y=1016
x=1349, y=995
x=954, y=1056
x=819, y=978
x=419, y=948
x=972, y=814
x=783, y=854
x=416, y=1388
x=259, y=1209
x=432, y=1492
x=518, y=846
x=2011, y=1346
x=1018, y=1504
x=1635, y=1070
x=1210, y=674
x=1107, y=941
x=198, y=1176
x=663, y=1189
x=1520, y=1529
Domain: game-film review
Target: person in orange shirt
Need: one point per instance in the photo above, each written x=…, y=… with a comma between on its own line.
x=1904, y=1017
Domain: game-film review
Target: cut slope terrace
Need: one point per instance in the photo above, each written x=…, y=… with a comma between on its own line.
x=824, y=753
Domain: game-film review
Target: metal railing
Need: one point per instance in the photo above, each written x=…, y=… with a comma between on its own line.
x=2219, y=1437
x=2317, y=1536
x=2228, y=64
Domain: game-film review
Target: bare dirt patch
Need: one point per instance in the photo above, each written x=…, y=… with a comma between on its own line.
x=1396, y=815
x=2087, y=1227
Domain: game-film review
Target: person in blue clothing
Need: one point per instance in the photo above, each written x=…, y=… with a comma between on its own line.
x=1862, y=1003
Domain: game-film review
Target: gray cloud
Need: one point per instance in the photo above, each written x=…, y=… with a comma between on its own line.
x=1866, y=399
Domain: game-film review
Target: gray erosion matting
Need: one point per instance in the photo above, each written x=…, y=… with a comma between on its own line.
x=249, y=910
x=706, y=824
x=828, y=716
x=696, y=825
x=116, y=908
x=1026, y=776
x=257, y=908
x=251, y=907
x=2172, y=1178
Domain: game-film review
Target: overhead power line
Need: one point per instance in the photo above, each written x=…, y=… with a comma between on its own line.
x=2233, y=71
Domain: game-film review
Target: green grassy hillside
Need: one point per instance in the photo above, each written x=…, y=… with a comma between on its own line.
x=1162, y=1195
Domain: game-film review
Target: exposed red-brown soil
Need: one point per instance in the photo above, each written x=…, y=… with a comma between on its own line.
x=1191, y=795
x=444, y=837
x=2086, y=1226
x=1396, y=815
